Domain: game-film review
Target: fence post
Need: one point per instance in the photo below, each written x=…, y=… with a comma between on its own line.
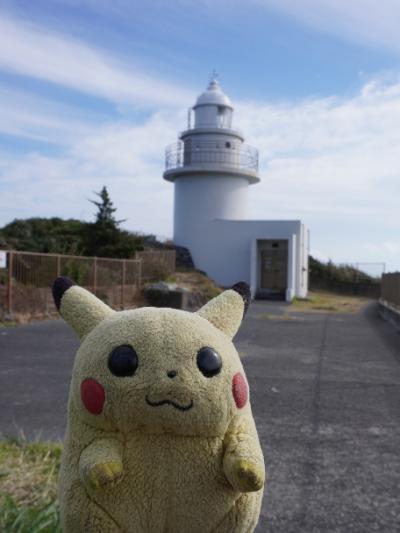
x=139, y=277
x=397, y=301
x=9, y=284
x=95, y=275
x=123, y=283
x=58, y=266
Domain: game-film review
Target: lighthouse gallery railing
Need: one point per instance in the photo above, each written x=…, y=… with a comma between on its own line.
x=198, y=154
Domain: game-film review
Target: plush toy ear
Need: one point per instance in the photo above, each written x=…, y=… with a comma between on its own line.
x=227, y=310
x=79, y=307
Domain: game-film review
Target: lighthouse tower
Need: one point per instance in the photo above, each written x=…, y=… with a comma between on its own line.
x=211, y=169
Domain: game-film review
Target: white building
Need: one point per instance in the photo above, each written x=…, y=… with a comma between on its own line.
x=212, y=169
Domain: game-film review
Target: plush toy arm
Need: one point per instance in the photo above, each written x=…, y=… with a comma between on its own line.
x=243, y=461
x=100, y=463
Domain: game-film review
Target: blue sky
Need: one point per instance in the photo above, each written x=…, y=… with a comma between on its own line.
x=91, y=92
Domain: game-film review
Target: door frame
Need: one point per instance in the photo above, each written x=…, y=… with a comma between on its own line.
x=255, y=270
x=264, y=292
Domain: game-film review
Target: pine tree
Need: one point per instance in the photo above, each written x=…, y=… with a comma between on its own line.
x=105, y=214
x=103, y=237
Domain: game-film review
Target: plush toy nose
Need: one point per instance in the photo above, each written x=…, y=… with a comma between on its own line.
x=172, y=373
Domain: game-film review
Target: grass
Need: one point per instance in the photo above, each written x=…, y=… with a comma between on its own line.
x=196, y=281
x=271, y=316
x=28, y=487
x=328, y=302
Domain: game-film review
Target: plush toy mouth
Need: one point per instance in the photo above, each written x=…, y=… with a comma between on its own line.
x=170, y=402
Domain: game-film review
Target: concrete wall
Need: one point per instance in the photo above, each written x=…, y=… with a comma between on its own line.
x=293, y=265
x=302, y=262
x=389, y=313
x=227, y=250
x=200, y=199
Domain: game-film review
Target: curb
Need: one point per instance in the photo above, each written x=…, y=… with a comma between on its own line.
x=390, y=313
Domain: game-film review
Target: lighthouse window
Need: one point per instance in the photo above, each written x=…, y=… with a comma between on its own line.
x=228, y=144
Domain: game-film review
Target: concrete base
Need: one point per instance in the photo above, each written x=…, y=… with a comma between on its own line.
x=166, y=295
x=290, y=294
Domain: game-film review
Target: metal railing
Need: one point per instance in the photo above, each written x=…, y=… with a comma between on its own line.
x=210, y=126
x=25, y=285
x=391, y=288
x=224, y=154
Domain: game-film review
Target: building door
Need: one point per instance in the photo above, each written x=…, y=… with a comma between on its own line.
x=273, y=268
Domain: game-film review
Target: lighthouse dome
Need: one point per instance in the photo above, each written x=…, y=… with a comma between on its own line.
x=213, y=95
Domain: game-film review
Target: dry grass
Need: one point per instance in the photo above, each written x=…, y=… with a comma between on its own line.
x=8, y=323
x=329, y=302
x=28, y=486
x=271, y=316
x=19, y=319
x=196, y=282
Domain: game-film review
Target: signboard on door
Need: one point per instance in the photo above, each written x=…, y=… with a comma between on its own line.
x=3, y=259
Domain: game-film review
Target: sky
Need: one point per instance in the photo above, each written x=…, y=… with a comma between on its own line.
x=92, y=91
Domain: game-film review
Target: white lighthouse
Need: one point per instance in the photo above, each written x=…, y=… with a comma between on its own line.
x=212, y=168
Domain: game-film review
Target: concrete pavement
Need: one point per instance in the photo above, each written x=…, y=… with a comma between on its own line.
x=326, y=397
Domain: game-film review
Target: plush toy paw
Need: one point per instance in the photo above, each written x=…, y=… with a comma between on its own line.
x=247, y=476
x=102, y=474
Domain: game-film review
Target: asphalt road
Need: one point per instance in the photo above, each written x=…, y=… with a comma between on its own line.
x=326, y=397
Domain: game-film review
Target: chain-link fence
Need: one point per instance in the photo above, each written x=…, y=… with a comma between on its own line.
x=155, y=264
x=25, y=283
x=391, y=288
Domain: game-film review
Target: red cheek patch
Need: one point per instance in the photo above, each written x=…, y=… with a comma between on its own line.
x=93, y=396
x=239, y=390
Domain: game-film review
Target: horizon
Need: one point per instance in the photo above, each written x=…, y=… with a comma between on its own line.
x=93, y=92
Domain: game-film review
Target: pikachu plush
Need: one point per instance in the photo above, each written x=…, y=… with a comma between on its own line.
x=160, y=435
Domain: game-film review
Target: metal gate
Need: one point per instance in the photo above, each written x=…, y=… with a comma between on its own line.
x=272, y=268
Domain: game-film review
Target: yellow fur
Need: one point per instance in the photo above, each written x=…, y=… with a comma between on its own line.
x=140, y=468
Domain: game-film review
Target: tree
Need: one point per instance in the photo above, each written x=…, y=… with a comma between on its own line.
x=103, y=237
x=105, y=214
x=44, y=235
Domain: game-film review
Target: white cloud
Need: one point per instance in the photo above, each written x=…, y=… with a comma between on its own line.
x=332, y=158
x=128, y=159
x=370, y=22
x=43, y=186
x=29, y=116
x=321, y=256
x=333, y=162
x=131, y=150
x=34, y=51
x=393, y=247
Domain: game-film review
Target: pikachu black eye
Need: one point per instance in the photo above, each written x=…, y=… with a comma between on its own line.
x=123, y=361
x=209, y=362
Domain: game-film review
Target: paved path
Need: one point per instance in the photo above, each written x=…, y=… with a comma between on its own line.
x=326, y=398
